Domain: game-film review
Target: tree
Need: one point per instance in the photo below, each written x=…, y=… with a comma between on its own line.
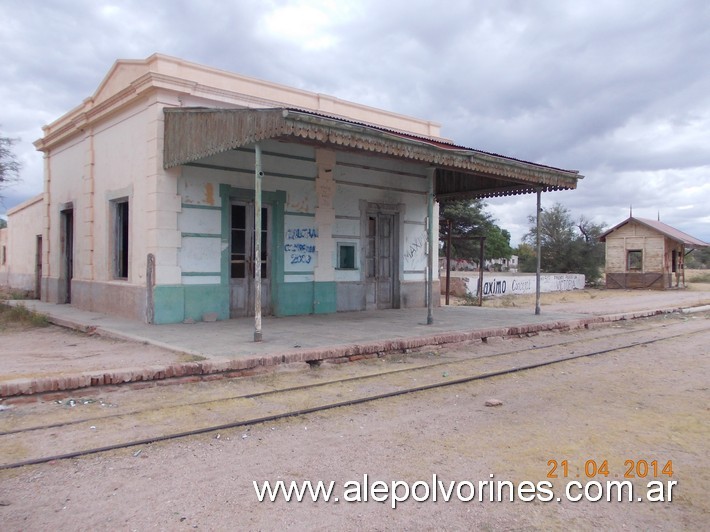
x=3, y=223
x=566, y=245
x=527, y=258
x=590, y=250
x=469, y=219
x=698, y=259
x=9, y=165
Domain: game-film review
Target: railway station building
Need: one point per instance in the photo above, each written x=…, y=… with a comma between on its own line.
x=643, y=253
x=181, y=192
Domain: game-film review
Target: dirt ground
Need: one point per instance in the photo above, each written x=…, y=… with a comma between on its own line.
x=51, y=350
x=35, y=352
x=645, y=403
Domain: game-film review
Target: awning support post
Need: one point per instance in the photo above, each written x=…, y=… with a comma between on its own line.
x=537, y=269
x=431, y=174
x=449, y=226
x=258, y=174
x=481, y=258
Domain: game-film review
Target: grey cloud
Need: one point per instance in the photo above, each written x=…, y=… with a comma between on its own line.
x=617, y=90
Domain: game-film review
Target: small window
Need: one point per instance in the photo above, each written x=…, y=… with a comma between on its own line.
x=120, y=239
x=634, y=260
x=346, y=256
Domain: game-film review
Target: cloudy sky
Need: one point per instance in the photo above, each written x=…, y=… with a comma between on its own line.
x=617, y=89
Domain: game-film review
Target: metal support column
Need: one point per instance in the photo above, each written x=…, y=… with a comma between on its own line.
x=258, y=174
x=431, y=174
x=481, y=260
x=537, y=270
x=449, y=226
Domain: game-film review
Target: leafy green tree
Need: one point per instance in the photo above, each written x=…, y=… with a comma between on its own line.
x=468, y=220
x=9, y=165
x=590, y=252
x=566, y=245
x=527, y=258
x=497, y=244
x=698, y=259
x=3, y=223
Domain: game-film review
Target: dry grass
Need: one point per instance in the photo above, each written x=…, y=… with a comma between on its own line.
x=528, y=300
x=20, y=317
x=697, y=276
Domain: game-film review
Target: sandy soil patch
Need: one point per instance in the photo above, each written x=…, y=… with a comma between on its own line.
x=52, y=350
x=645, y=403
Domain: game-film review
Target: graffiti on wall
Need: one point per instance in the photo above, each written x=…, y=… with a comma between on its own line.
x=300, y=247
x=513, y=285
x=415, y=251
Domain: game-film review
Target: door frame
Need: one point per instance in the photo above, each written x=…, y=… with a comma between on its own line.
x=276, y=200
x=396, y=210
x=246, y=283
x=38, y=267
x=66, y=241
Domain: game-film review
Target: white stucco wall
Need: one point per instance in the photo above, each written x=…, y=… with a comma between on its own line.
x=25, y=223
x=3, y=256
x=495, y=285
x=110, y=148
x=308, y=243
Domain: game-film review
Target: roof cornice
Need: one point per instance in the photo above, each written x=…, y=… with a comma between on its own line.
x=182, y=77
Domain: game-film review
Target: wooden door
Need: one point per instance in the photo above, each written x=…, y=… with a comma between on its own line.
x=242, y=260
x=380, y=260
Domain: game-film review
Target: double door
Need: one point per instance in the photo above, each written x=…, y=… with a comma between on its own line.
x=243, y=259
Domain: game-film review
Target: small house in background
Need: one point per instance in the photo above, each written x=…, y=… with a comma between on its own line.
x=642, y=253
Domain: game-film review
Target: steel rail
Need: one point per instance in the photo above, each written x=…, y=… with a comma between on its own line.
x=302, y=387
x=330, y=406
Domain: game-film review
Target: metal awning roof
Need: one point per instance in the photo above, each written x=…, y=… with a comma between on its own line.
x=192, y=134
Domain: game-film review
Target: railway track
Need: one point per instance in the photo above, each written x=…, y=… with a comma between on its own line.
x=27, y=445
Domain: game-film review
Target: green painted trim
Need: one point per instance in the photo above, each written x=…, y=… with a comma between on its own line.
x=306, y=214
x=201, y=235
x=277, y=200
x=169, y=304
x=306, y=298
x=206, y=207
x=279, y=155
x=291, y=176
x=201, y=274
x=248, y=171
x=201, y=299
x=295, y=299
x=224, y=191
x=175, y=303
x=325, y=297
x=312, y=272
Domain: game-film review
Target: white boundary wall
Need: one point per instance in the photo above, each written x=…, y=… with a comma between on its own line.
x=503, y=285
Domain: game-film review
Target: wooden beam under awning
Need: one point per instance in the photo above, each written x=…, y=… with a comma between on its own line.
x=192, y=134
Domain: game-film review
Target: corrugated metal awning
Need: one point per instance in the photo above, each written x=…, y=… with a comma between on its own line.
x=192, y=134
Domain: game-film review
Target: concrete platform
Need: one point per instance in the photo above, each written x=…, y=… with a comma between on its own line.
x=227, y=348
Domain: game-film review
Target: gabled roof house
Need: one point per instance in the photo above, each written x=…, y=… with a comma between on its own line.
x=643, y=253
